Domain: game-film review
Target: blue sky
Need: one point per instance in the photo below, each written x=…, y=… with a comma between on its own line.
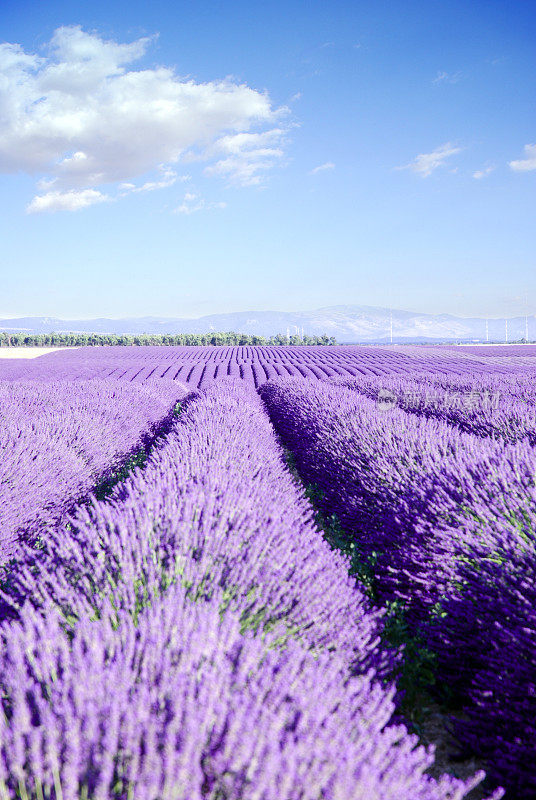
x=181, y=159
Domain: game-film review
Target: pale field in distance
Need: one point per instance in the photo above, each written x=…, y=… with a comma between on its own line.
x=27, y=352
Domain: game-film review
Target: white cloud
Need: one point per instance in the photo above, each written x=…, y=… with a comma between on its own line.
x=447, y=77
x=426, y=163
x=168, y=178
x=247, y=156
x=66, y=201
x=79, y=118
x=528, y=163
x=322, y=167
x=193, y=202
x=483, y=173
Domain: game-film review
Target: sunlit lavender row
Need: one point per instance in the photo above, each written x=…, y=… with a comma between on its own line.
x=490, y=405
x=445, y=520
x=60, y=439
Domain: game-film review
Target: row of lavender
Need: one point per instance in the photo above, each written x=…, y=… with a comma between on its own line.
x=199, y=366
x=194, y=637
x=488, y=405
x=60, y=439
x=447, y=520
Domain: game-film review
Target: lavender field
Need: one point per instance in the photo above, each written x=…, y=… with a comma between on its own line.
x=225, y=570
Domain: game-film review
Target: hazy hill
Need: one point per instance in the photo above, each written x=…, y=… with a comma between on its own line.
x=346, y=323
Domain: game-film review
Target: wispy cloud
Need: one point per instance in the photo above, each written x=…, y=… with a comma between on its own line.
x=322, y=168
x=81, y=118
x=447, y=77
x=528, y=163
x=426, y=163
x=168, y=178
x=66, y=201
x=247, y=156
x=193, y=202
x=483, y=173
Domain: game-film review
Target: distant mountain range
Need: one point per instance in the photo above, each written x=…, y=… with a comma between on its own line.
x=348, y=324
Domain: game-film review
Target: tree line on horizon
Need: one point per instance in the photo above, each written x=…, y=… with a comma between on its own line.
x=144, y=339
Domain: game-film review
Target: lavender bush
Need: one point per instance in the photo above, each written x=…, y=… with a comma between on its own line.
x=415, y=493
x=495, y=406
x=60, y=439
